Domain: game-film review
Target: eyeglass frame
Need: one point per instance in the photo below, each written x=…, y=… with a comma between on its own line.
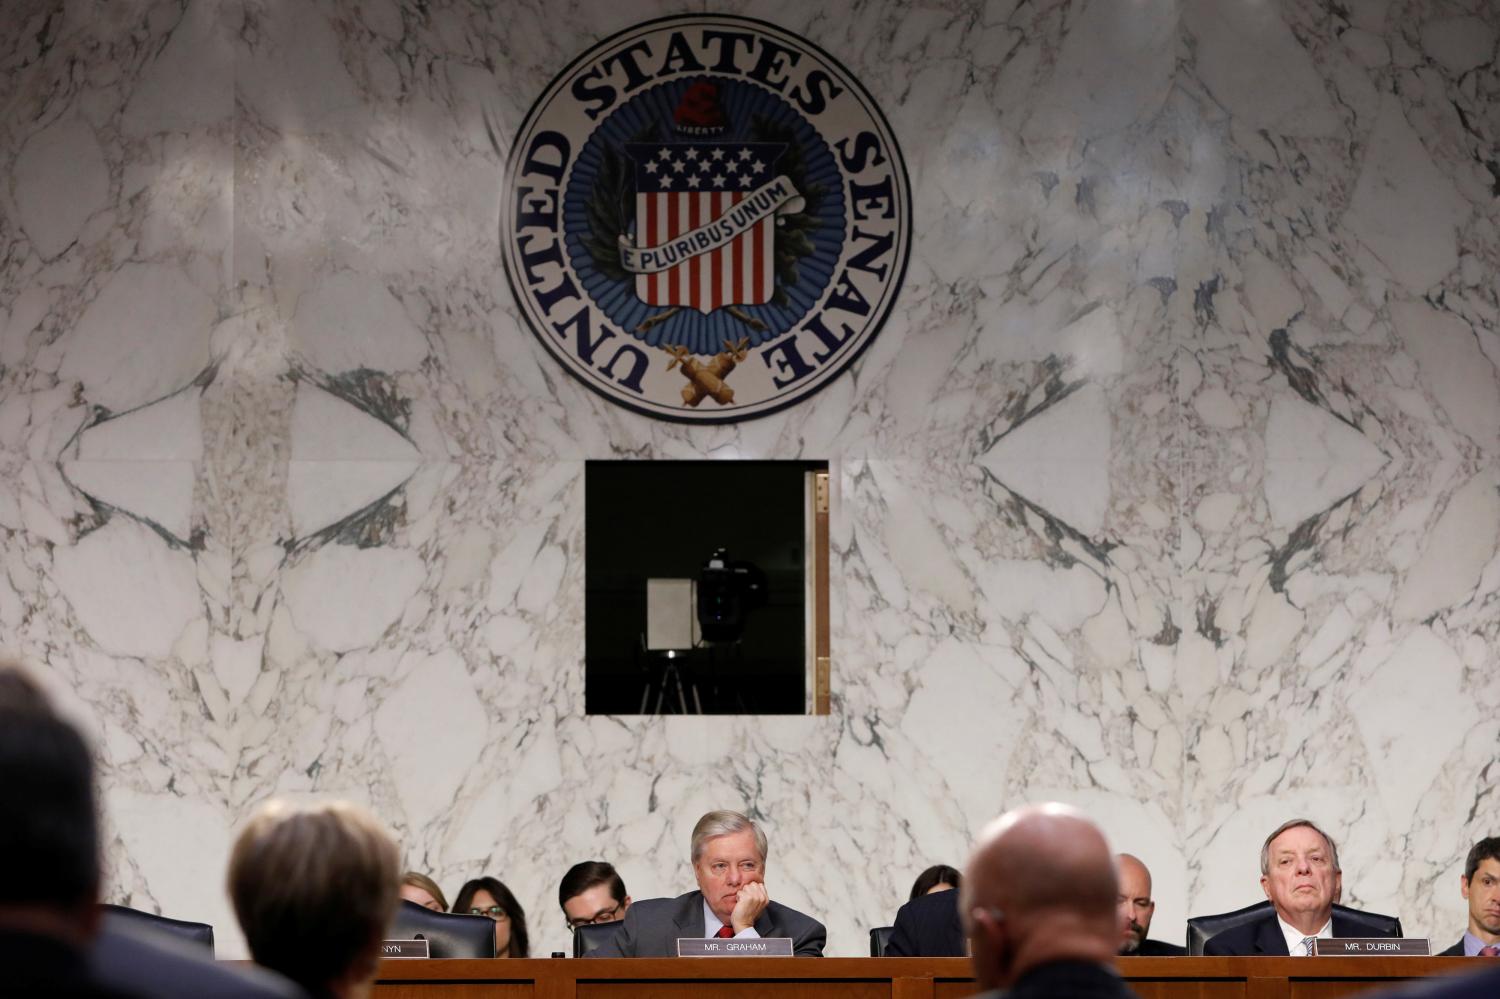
x=599, y=918
x=495, y=912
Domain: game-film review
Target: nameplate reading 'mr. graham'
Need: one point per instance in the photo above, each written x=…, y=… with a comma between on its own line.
x=1372, y=947
x=706, y=218
x=404, y=948
x=734, y=947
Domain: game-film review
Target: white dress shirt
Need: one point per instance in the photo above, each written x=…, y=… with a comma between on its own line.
x=1294, y=936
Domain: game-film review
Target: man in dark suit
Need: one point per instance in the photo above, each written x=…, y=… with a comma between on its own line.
x=1300, y=874
x=729, y=861
x=1480, y=884
x=928, y=926
x=1136, y=907
x=53, y=940
x=49, y=837
x=1039, y=903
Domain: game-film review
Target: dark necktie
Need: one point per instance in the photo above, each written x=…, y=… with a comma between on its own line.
x=724, y=931
x=1491, y=951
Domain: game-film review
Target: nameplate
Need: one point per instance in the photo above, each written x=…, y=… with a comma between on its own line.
x=404, y=948
x=734, y=947
x=1373, y=947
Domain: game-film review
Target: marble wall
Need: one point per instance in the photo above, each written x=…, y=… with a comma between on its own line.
x=1170, y=488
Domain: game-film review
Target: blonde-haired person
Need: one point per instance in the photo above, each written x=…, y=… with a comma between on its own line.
x=424, y=891
x=314, y=888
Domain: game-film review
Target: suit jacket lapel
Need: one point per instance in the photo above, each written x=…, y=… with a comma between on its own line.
x=1268, y=938
x=765, y=925
x=688, y=915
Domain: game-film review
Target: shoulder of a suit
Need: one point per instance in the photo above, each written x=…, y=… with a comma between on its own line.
x=652, y=903
x=937, y=901
x=1246, y=932
x=642, y=906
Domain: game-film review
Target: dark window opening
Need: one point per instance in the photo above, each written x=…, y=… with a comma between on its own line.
x=722, y=547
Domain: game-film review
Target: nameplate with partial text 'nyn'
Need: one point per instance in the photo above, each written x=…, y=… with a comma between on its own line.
x=404, y=948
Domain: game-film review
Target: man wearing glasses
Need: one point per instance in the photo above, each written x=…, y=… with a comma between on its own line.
x=729, y=863
x=592, y=893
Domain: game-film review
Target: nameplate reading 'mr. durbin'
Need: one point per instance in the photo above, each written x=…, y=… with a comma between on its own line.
x=1373, y=947
x=734, y=947
x=404, y=948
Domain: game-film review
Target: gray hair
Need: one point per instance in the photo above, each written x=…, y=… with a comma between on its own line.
x=725, y=823
x=1265, y=848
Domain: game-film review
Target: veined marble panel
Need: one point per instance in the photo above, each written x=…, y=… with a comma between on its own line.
x=1169, y=489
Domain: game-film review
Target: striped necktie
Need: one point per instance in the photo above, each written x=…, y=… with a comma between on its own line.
x=1307, y=945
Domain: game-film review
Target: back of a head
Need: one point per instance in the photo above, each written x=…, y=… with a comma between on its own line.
x=937, y=874
x=1046, y=872
x=314, y=889
x=1055, y=858
x=50, y=833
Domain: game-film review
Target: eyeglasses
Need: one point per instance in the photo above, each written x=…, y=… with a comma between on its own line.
x=602, y=916
x=747, y=868
x=494, y=912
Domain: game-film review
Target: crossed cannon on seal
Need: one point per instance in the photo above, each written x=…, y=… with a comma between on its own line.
x=708, y=379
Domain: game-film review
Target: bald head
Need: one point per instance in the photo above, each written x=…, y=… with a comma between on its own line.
x=1134, y=902
x=1133, y=871
x=1044, y=857
x=1041, y=887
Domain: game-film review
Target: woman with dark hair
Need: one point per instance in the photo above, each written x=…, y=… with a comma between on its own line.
x=938, y=877
x=488, y=896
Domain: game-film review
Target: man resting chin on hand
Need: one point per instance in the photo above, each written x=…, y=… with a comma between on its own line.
x=729, y=862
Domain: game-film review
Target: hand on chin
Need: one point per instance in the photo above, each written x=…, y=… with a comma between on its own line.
x=750, y=902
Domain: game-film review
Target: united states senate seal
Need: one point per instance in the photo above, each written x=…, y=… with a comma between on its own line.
x=706, y=218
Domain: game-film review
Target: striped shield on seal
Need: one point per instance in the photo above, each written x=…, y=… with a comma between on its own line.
x=705, y=225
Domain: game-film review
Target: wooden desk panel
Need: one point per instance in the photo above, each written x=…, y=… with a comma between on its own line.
x=419, y=979
x=1186, y=988
x=881, y=978
x=1275, y=977
x=678, y=989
